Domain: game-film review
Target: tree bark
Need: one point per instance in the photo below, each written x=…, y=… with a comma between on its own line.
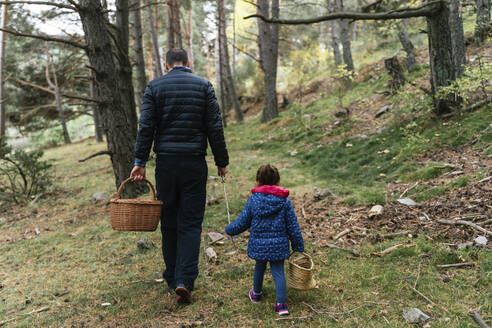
x=345, y=38
x=225, y=63
x=155, y=44
x=268, y=45
x=446, y=53
x=397, y=78
x=138, y=52
x=407, y=46
x=174, y=39
x=3, y=114
x=482, y=26
x=219, y=81
x=190, y=39
x=115, y=107
x=98, y=129
x=335, y=41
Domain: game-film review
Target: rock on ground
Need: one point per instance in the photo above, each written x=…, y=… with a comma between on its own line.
x=320, y=194
x=99, y=197
x=414, y=315
x=480, y=241
x=376, y=210
x=215, y=236
x=407, y=201
x=145, y=243
x=211, y=253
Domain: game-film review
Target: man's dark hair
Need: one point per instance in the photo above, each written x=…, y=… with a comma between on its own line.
x=267, y=175
x=174, y=56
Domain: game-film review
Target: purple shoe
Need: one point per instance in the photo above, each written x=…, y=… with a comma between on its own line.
x=255, y=298
x=281, y=309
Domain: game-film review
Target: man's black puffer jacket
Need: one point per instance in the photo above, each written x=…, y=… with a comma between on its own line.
x=179, y=113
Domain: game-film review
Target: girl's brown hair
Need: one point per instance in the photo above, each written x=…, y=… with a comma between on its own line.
x=267, y=175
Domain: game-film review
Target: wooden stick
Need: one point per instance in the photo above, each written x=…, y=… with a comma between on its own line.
x=341, y=234
x=467, y=223
x=6, y=321
x=423, y=296
x=408, y=189
x=294, y=318
x=395, y=234
x=478, y=319
x=393, y=248
x=484, y=179
x=350, y=250
x=455, y=265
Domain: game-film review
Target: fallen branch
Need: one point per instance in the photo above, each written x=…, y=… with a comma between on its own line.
x=478, y=319
x=408, y=189
x=41, y=309
x=293, y=318
x=484, y=179
x=394, y=234
x=467, y=223
x=102, y=152
x=350, y=250
x=341, y=234
x=393, y=248
x=455, y=265
x=423, y=296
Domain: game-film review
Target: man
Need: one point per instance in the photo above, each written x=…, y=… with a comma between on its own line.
x=179, y=113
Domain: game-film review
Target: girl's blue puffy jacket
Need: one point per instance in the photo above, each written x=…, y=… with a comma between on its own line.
x=269, y=215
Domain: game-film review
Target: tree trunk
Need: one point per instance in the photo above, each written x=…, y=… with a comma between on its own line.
x=61, y=114
x=219, y=81
x=155, y=44
x=119, y=124
x=345, y=38
x=268, y=45
x=397, y=78
x=98, y=129
x=482, y=26
x=446, y=52
x=174, y=28
x=225, y=63
x=335, y=41
x=3, y=114
x=53, y=85
x=407, y=46
x=138, y=52
x=190, y=39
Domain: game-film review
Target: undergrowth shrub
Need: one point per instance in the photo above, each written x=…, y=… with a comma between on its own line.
x=22, y=174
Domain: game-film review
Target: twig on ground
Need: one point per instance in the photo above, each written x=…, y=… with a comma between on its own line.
x=484, y=179
x=423, y=296
x=394, y=234
x=455, y=265
x=408, y=189
x=478, y=319
x=350, y=250
x=319, y=312
x=393, y=248
x=467, y=223
x=41, y=309
x=6, y=321
x=341, y=234
x=294, y=318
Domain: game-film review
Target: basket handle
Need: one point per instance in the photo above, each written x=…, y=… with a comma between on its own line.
x=305, y=254
x=129, y=179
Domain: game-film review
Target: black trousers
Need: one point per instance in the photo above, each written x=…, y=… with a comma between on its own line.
x=181, y=185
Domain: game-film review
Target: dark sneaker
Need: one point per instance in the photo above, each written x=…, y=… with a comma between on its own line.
x=281, y=309
x=255, y=298
x=184, y=294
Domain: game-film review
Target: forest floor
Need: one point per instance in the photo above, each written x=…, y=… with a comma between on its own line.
x=60, y=261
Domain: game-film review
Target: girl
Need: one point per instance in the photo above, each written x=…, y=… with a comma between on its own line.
x=269, y=215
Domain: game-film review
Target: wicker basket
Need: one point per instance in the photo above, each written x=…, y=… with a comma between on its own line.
x=135, y=214
x=300, y=271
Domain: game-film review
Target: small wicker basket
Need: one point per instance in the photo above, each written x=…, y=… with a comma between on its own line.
x=135, y=214
x=301, y=271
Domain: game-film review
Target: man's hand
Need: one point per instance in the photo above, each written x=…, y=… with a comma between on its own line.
x=222, y=171
x=138, y=173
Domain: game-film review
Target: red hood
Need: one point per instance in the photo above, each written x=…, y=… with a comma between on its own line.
x=273, y=190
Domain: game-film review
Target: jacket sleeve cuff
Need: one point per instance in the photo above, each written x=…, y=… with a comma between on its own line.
x=139, y=162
